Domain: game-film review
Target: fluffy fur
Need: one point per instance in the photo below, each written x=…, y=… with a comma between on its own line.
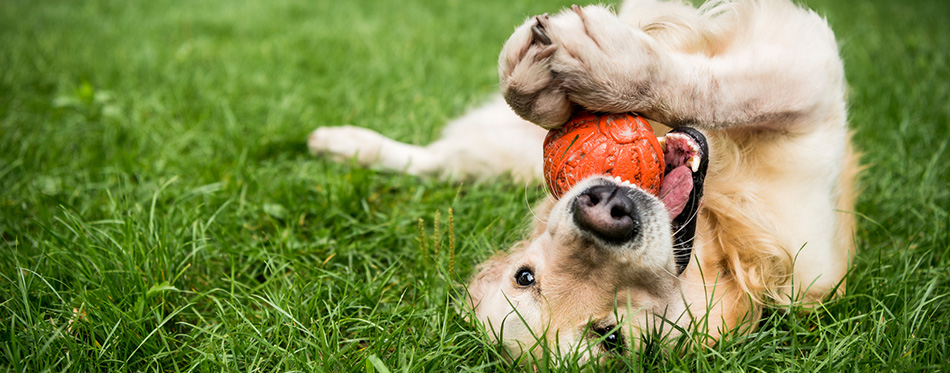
x=761, y=79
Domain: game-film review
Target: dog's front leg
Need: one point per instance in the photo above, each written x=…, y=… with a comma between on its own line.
x=582, y=56
x=588, y=57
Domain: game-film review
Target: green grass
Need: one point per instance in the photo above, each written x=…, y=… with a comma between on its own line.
x=158, y=210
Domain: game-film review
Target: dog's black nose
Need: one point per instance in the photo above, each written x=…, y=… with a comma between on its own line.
x=607, y=211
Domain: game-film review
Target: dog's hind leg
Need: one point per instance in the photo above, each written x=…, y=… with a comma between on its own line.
x=487, y=141
x=368, y=147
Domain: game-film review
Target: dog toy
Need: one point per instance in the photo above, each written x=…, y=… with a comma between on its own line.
x=618, y=145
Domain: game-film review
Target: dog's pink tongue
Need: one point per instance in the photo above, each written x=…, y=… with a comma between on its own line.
x=675, y=190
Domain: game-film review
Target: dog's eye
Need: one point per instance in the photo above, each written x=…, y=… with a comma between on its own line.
x=524, y=277
x=613, y=341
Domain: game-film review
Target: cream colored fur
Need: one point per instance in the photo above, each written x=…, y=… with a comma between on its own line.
x=763, y=81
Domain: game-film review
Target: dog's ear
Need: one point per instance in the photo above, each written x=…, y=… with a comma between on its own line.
x=488, y=277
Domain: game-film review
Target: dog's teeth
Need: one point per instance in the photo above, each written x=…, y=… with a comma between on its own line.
x=693, y=163
x=622, y=182
x=662, y=141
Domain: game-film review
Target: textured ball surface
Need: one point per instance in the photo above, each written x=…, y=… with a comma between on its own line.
x=603, y=144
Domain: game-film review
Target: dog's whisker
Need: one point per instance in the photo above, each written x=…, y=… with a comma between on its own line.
x=683, y=226
x=694, y=215
x=530, y=206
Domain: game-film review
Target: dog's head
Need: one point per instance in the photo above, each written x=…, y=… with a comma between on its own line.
x=602, y=265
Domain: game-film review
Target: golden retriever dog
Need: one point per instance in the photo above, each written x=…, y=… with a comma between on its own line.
x=756, y=92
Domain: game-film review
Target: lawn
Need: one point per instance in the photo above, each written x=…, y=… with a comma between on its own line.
x=159, y=211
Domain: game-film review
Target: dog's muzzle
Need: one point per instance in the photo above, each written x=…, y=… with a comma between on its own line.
x=607, y=212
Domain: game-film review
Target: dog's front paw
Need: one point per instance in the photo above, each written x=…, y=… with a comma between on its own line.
x=527, y=82
x=585, y=56
x=603, y=63
x=345, y=142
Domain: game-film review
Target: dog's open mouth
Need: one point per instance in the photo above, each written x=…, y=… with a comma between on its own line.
x=687, y=158
x=685, y=154
x=682, y=149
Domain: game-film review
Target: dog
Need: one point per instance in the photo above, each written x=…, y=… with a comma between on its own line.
x=757, y=94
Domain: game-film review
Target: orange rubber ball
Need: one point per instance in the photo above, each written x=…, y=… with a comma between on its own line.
x=603, y=144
